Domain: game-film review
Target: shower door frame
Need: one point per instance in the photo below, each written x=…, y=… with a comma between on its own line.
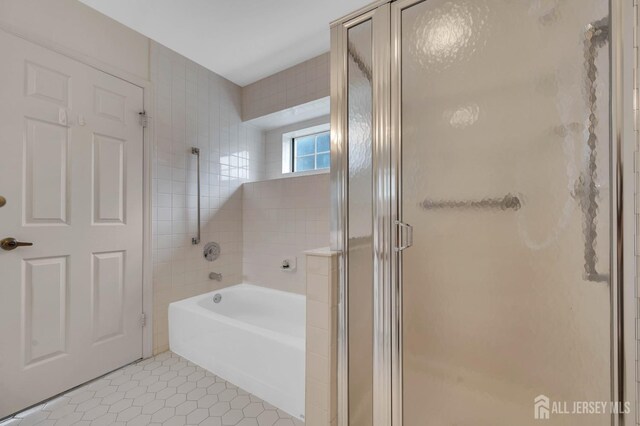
x=379, y=15
x=387, y=169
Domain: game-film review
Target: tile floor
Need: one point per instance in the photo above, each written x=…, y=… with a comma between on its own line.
x=163, y=390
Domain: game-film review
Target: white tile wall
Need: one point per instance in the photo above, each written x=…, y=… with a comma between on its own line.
x=195, y=107
x=257, y=224
x=322, y=338
x=283, y=218
x=294, y=86
x=273, y=145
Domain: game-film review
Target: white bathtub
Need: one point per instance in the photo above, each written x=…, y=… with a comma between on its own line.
x=254, y=338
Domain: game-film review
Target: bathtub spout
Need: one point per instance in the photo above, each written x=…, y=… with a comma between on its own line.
x=215, y=276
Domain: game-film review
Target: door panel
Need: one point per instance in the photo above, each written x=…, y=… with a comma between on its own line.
x=360, y=225
x=45, y=172
x=47, y=84
x=71, y=171
x=108, y=295
x=108, y=104
x=505, y=180
x=108, y=179
x=45, y=309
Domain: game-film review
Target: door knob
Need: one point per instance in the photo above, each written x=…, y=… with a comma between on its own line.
x=11, y=243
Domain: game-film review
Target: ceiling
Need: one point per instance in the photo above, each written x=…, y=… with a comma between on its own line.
x=242, y=40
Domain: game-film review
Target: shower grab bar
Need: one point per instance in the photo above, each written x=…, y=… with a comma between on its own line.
x=196, y=151
x=508, y=202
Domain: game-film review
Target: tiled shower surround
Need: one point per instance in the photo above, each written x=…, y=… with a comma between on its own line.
x=196, y=108
x=282, y=219
x=256, y=225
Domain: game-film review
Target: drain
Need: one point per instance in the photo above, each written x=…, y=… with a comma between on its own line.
x=217, y=298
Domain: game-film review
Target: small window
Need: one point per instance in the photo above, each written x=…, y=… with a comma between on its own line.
x=311, y=152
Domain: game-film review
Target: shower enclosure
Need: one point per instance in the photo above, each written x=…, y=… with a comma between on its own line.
x=476, y=175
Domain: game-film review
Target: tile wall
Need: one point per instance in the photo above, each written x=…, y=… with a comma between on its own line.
x=282, y=219
x=257, y=224
x=302, y=83
x=322, y=337
x=196, y=107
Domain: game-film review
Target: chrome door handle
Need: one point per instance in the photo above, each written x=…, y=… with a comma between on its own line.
x=404, y=229
x=11, y=243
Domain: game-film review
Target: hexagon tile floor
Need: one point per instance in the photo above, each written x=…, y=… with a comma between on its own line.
x=163, y=390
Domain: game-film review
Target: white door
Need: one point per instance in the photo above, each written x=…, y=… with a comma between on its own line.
x=71, y=160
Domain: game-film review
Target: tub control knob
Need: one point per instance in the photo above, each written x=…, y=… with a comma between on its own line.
x=211, y=251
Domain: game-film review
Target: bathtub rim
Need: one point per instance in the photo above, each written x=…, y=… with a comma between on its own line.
x=191, y=304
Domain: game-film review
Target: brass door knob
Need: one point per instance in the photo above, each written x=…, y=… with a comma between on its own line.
x=11, y=243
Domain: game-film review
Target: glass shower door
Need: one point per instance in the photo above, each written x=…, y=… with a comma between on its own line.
x=360, y=223
x=504, y=177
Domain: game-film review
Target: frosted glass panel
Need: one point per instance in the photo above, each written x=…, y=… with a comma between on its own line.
x=360, y=228
x=505, y=179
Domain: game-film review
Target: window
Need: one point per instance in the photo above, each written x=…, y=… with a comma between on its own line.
x=305, y=150
x=311, y=152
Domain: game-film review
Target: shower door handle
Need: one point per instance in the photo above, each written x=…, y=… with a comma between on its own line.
x=405, y=236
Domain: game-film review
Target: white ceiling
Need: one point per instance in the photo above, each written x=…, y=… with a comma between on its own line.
x=242, y=40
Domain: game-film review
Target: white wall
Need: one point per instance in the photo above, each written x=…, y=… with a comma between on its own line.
x=273, y=145
x=195, y=107
x=283, y=218
x=74, y=26
x=302, y=83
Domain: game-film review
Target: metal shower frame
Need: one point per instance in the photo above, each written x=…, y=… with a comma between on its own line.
x=386, y=145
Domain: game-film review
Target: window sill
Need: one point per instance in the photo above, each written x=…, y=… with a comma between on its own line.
x=306, y=173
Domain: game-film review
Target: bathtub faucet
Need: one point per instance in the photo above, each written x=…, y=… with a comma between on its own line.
x=215, y=276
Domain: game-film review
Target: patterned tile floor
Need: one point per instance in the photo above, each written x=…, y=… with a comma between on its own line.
x=163, y=390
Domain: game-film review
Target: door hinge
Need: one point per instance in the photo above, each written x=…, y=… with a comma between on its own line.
x=144, y=119
x=143, y=320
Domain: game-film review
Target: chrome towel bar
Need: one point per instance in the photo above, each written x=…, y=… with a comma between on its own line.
x=508, y=202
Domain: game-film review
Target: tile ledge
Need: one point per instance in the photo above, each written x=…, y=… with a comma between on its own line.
x=323, y=251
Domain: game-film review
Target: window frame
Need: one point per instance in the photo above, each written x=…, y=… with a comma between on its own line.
x=315, y=153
